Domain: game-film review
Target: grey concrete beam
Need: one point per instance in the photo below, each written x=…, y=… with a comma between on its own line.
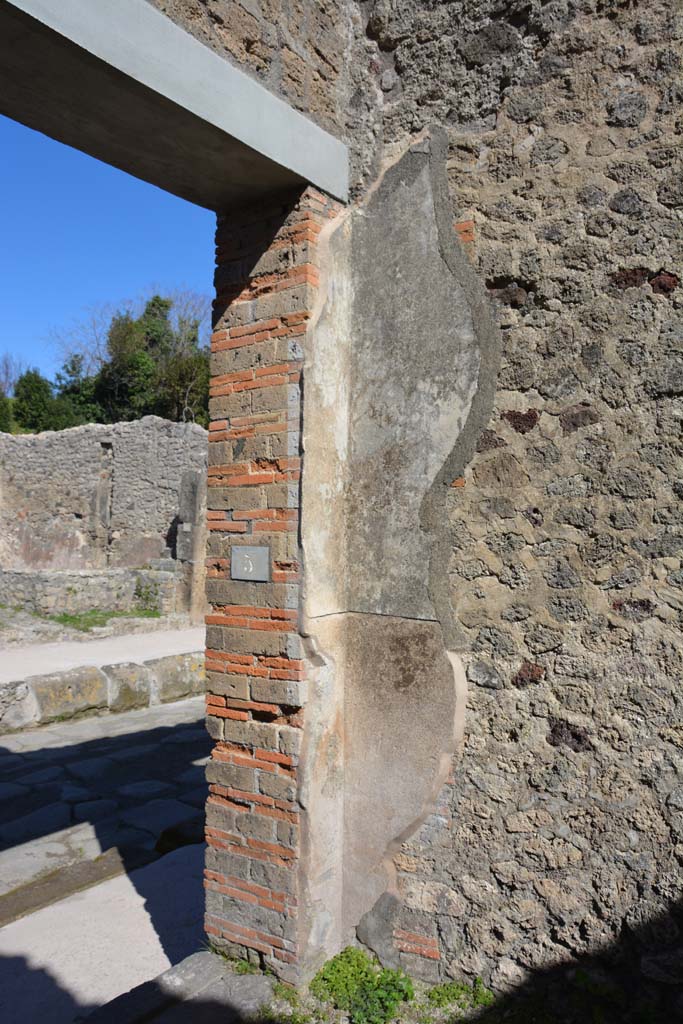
x=120, y=81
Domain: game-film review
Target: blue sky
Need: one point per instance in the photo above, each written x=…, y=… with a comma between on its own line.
x=76, y=233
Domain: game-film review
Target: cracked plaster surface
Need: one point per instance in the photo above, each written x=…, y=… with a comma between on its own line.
x=399, y=375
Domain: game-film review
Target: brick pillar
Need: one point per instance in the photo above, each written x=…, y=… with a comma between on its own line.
x=266, y=282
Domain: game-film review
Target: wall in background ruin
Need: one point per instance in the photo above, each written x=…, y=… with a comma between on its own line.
x=101, y=496
x=564, y=825
x=56, y=591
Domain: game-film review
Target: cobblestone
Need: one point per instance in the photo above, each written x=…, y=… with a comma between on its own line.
x=96, y=786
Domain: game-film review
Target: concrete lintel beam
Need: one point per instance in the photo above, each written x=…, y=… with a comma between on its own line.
x=122, y=82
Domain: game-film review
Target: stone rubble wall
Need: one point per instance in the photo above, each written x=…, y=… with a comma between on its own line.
x=117, y=590
x=98, y=496
x=39, y=700
x=296, y=49
x=563, y=826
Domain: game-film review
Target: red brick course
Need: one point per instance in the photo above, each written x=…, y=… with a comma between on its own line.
x=266, y=281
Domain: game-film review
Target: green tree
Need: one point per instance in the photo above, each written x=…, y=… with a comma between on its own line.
x=153, y=367
x=33, y=401
x=155, y=325
x=186, y=391
x=5, y=414
x=125, y=387
x=153, y=363
x=75, y=401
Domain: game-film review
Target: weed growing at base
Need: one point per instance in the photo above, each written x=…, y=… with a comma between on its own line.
x=458, y=993
x=244, y=967
x=369, y=993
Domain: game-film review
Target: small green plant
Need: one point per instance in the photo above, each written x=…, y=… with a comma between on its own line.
x=146, y=596
x=461, y=994
x=368, y=993
x=339, y=980
x=378, y=1003
x=239, y=966
x=286, y=993
x=244, y=967
x=481, y=996
x=270, y=1016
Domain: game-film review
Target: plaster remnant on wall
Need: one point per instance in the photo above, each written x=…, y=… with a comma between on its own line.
x=399, y=382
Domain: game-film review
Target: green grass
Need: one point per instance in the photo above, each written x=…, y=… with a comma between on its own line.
x=268, y=1015
x=244, y=967
x=238, y=965
x=94, y=617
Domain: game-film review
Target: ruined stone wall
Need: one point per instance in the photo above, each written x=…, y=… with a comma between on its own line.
x=563, y=827
x=55, y=591
x=100, y=496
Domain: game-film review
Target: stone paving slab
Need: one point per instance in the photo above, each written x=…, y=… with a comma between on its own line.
x=66, y=735
x=158, y=815
x=21, y=864
x=60, y=963
x=119, y=782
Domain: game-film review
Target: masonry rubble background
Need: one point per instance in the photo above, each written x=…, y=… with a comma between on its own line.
x=554, y=523
x=95, y=516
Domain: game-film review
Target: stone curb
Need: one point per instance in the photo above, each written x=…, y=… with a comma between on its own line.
x=89, y=690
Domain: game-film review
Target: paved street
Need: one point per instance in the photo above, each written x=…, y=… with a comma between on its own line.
x=101, y=825
x=71, y=791
x=42, y=659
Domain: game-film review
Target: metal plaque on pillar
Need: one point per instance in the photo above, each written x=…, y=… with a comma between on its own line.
x=250, y=563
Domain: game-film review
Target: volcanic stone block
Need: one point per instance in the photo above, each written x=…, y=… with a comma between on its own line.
x=82, y=689
x=129, y=686
x=178, y=677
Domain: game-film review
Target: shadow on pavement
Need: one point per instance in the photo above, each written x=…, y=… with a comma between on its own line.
x=638, y=979
x=142, y=797
x=45, y=990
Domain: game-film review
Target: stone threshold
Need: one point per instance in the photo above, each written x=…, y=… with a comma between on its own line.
x=202, y=987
